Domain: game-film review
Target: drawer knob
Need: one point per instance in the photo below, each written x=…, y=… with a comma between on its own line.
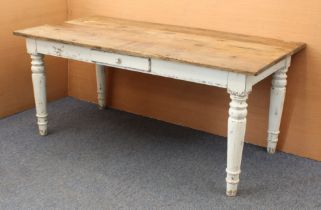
x=118, y=61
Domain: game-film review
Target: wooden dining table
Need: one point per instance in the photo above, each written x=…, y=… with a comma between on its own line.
x=235, y=62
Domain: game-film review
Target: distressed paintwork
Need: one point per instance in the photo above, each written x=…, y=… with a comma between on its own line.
x=39, y=88
x=175, y=70
x=277, y=97
x=235, y=132
x=101, y=86
x=238, y=85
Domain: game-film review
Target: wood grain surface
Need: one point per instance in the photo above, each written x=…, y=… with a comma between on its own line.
x=214, y=49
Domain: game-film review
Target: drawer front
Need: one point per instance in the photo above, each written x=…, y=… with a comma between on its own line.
x=121, y=61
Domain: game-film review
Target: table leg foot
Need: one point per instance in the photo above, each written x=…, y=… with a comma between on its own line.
x=101, y=107
x=231, y=189
x=271, y=148
x=42, y=125
x=43, y=131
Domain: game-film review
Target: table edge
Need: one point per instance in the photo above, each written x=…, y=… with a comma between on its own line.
x=300, y=47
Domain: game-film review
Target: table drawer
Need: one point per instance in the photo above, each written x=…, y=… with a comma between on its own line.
x=121, y=61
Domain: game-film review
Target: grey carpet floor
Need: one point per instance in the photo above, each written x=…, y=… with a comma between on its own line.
x=110, y=159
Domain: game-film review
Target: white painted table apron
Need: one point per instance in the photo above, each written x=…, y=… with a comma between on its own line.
x=238, y=86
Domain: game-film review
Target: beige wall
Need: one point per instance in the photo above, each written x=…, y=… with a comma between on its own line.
x=15, y=77
x=203, y=107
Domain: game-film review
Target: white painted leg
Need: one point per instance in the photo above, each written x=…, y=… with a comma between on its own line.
x=39, y=89
x=101, y=86
x=235, y=140
x=276, y=108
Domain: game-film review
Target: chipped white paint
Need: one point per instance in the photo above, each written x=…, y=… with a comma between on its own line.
x=171, y=69
x=39, y=88
x=238, y=86
x=277, y=97
x=31, y=46
x=64, y=50
x=192, y=73
x=101, y=86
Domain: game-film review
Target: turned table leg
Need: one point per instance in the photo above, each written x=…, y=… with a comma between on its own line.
x=101, y=86
x=39, y=89
x=276, y=107
x=235, y=140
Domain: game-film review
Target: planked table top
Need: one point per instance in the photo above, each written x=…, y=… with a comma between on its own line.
x=214, y=49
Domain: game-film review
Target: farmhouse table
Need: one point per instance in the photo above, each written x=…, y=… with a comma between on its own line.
x=226, y=60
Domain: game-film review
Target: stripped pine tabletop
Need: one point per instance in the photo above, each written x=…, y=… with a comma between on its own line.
x=214, y=49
